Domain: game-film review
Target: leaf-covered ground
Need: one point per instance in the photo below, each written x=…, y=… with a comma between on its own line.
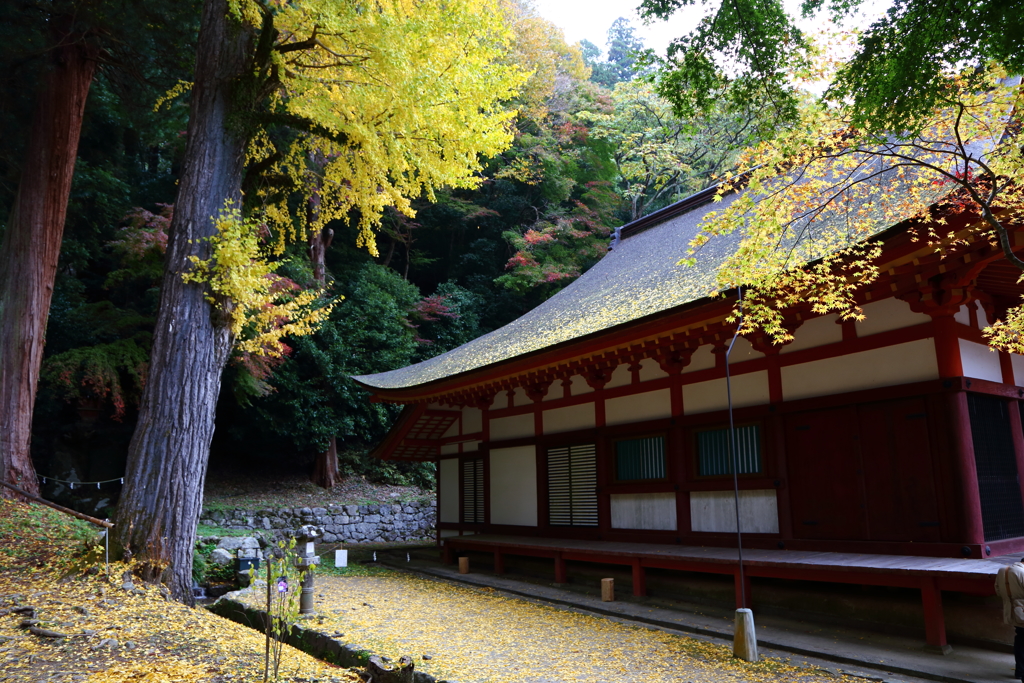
x=112, y=635
x=479, y=635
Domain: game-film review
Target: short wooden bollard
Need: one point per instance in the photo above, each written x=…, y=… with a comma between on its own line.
x=608, y=590
x=463, y=565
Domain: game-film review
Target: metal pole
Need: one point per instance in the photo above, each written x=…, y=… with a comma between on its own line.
x=732, y=451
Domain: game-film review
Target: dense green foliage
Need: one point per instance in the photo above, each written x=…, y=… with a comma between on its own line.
x=746, y=50
x=470, y=261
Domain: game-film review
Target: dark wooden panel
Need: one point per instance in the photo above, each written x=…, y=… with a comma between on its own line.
x=899, y=481
x=822, y=458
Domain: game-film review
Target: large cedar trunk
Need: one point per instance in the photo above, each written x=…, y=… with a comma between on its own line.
x=325, y=469
x=167, y=459
x=31, y=247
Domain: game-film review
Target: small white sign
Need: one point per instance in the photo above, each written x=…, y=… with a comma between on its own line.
x=310, y=552
x=340, y=558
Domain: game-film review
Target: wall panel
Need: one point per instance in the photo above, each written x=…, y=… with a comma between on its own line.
x=514, y=486
x=644, y=511
x=448, y=479
x=650, y=405
x=887, y=366
x=716, y=511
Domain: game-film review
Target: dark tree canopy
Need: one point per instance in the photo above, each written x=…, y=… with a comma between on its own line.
x=893, y=80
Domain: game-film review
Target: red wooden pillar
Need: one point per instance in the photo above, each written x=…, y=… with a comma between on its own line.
x=962, y=450
x=639, y=579
x=446, y=554
x=560, y=573
x=934, y=624
x=499, y=563
x=947, y=346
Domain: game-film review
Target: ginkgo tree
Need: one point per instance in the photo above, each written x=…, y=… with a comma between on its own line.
x=356, y=106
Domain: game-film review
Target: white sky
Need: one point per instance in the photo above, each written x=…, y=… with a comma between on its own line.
x=590, y=19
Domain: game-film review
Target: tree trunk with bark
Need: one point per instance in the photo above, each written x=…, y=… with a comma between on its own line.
x=168, y=455
x=31, y=248
x=325, y=468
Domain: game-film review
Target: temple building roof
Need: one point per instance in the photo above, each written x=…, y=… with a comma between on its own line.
x=639, y=278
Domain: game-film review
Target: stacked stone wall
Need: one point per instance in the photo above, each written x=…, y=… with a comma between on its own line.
x=409, y=521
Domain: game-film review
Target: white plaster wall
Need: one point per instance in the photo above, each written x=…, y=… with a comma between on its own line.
x=514, y=427
x=649, y=369
x=621, y=376
x=963, y=315
x=580, y=386
x=644, y=511
x=472, y=420
x=520, y=398
x=890, y=365
x=815, y=332
x=448, y=478
x=650, y=405
x=449, y=448
x=447, y=533
x=452, y=431
x=980, y=361
x=743, y=350
x=749, y=389
x=702, y=359
x=716, y=511
x=514, y=486
x=888, y=314
x=500, y=400
x=555, y=391
x=983, y=321
x=569, y=419
x=1018, y=369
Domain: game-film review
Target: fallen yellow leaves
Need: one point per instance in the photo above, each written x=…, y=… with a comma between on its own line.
x=150, y=672
x=480, y=635
x=115, y=634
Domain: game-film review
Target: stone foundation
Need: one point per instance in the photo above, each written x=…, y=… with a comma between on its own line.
x=411, y=521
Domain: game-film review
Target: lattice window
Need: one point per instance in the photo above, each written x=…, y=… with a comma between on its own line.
x=637, y=459
x=572, y=486
x=714, y=457
x=473, y=491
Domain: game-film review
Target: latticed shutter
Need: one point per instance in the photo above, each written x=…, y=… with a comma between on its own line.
x=715, y=458
x=572, y=486
x=640, y=459
x=473, y=491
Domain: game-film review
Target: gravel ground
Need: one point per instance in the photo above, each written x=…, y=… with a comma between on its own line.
x=474, y=635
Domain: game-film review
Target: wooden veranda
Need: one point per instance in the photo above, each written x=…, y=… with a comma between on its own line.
x=930, y=575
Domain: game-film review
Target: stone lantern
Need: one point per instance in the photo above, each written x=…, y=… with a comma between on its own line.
x=306, y=561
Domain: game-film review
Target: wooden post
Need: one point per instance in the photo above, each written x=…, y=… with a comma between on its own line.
x=499, y=563
x=463, y=565
x=608, y=590
x=934, y=623
x=560, y=573
x=639, y=580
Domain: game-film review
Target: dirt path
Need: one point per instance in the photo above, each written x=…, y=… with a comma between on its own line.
x=477, y=635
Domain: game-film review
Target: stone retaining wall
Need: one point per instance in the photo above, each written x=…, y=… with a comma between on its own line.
x=409, y=521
